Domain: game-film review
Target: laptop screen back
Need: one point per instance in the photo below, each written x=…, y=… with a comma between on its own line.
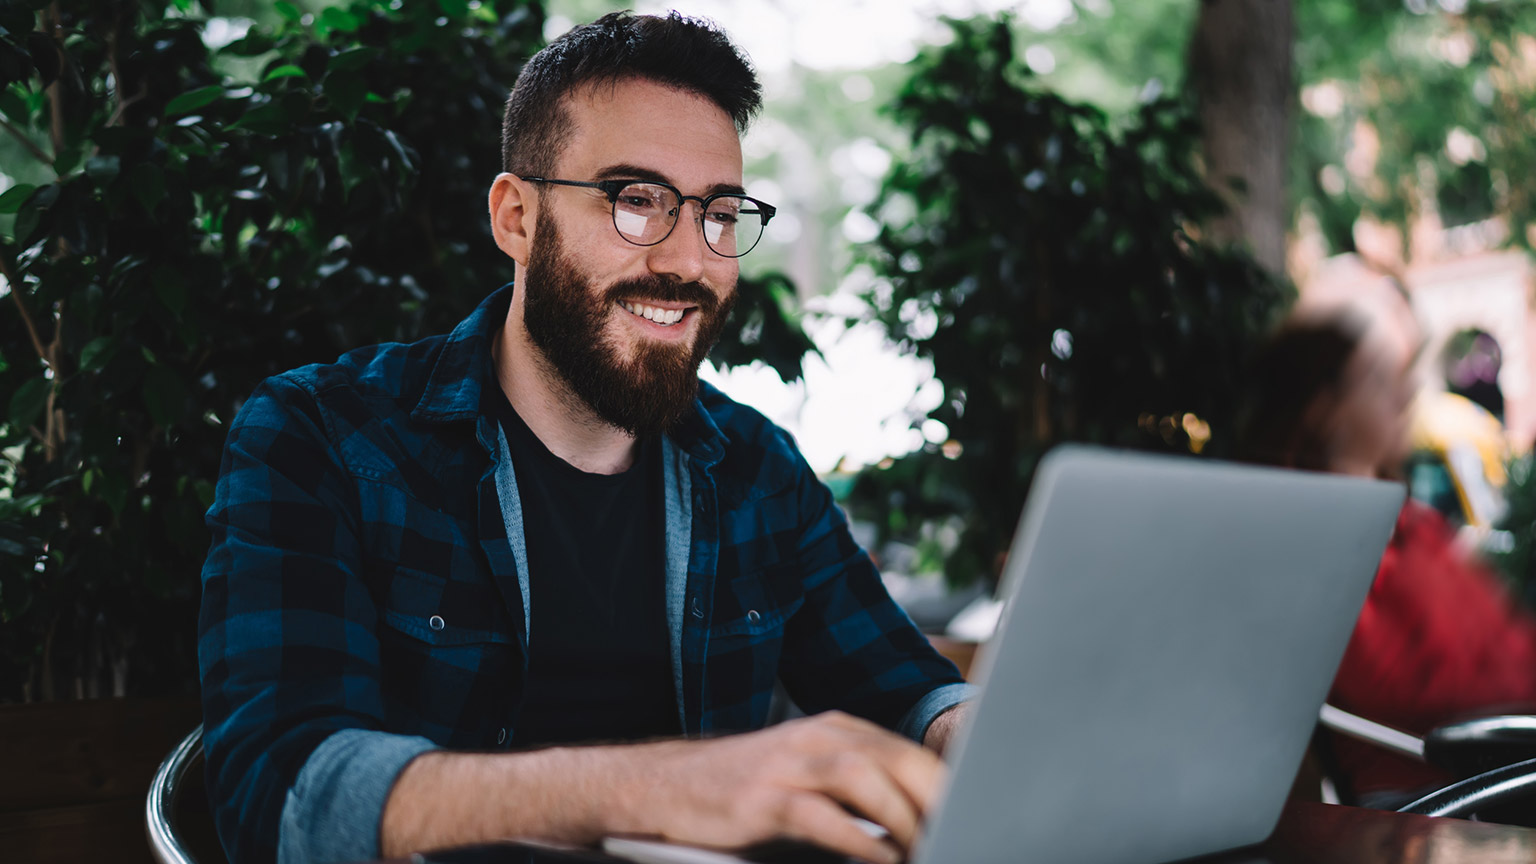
x=1171, y=630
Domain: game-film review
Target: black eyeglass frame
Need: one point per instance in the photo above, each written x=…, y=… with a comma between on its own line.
x=612, y=188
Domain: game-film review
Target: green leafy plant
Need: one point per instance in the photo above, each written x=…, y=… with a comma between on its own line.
x=1517, y=559
x=191, y=220
x=1426, y=107
x=1049, y=263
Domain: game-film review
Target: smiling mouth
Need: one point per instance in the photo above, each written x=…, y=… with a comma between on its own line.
x=655, y=314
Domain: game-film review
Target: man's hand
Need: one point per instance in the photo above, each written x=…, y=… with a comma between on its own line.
x=803, y=780
x=799, y=780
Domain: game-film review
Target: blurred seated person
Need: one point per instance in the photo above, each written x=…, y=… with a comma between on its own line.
x=1439, y=637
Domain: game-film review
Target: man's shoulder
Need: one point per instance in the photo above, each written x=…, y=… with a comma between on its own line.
x=757, y=452
x=386, y=377
x=741, y=423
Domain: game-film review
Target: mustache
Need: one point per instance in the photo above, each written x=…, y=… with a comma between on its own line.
x=665, y=290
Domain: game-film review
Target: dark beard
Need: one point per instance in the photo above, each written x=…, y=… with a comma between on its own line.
x=655, y=390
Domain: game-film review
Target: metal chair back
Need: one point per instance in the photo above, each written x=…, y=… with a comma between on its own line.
x=164, y=809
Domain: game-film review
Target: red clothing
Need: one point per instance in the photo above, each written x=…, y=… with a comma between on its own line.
x=1439, y=638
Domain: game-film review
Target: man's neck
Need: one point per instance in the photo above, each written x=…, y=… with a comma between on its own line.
x=560, y=418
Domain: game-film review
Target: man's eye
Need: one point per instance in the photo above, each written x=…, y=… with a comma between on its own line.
x=637, y=201
x=724, y=218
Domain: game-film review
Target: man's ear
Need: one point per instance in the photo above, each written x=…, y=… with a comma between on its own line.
x=513, y=210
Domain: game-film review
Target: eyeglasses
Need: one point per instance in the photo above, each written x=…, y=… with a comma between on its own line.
x=645, y=213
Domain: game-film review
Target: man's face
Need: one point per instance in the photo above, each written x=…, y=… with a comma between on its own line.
x=627, y=326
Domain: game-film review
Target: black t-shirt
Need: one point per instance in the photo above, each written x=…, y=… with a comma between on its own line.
x=599, y=665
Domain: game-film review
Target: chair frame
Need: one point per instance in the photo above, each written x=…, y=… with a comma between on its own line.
x=164, y=791
x=1466, y=798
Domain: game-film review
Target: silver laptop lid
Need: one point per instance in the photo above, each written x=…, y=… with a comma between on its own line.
x=1171, y=630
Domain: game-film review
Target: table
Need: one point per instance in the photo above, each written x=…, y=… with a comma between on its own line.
x=1309, y=833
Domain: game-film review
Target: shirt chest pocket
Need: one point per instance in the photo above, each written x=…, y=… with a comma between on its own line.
x=438, y=616
x=442, y=643
x=756, y=607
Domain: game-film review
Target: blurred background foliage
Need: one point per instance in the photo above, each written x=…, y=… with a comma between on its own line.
x=1049, y=265
x=196, y=194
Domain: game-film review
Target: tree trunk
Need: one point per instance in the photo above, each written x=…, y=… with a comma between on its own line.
x=1240, y=68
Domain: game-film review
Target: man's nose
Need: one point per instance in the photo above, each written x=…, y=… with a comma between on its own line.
x=683, y=253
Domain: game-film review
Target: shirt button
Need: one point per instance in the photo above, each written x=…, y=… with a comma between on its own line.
x=753, y=617
x=436, y=622
x=501, y=735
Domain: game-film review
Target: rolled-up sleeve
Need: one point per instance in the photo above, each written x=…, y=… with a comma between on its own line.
x=334, y=809
x=915, y=723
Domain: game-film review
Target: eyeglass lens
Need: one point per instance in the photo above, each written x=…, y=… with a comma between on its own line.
x=644, y=213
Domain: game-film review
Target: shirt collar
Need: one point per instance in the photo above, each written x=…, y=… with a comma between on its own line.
x=465, y=367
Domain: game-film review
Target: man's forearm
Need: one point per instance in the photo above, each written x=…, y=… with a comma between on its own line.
x=802, y=779
x=564, y=794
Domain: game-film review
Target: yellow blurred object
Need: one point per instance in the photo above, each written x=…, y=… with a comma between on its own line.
x=1470, y=442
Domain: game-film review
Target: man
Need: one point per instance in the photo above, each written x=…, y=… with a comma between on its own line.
x=429, y=560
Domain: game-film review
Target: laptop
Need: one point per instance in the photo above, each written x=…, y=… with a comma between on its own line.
x=1170, y=631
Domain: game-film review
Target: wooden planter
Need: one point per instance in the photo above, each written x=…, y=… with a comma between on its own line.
x=75, y=775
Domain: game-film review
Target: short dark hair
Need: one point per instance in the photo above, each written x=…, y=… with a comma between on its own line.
x=687, y=53
x=1306, y=358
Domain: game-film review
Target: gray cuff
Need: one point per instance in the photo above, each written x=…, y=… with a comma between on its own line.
x=940, y=699
x=333, y=811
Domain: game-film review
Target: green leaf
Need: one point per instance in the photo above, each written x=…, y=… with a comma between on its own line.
x=14, y=107
x=346, y=92
x=114, y=490
x=95, y=354
x=454, y=8
x=12, y=199
x=254, y=44
x=287, y=70
x=28, y=402
x=351, y=59
x=171, y=288
x=193, y=99
x=67, y=160
x=26, y=505
x=289, y=11
x=148, y=184
x=270, y=119
x=87, y=477
x=102, y=169
x=334, y=18
x=164, y=395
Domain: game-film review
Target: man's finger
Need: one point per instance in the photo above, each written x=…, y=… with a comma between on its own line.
x=815, y=819
x=918, y=771
x=857, y=781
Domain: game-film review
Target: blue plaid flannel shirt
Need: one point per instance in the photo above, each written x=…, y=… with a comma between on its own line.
x=365, y=596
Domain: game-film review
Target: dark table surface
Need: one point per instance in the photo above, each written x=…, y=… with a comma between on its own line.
x=1308, y=834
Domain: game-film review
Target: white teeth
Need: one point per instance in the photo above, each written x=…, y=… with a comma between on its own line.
x=664, y=317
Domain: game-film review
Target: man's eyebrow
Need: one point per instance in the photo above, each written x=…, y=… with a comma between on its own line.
x=625, y=171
